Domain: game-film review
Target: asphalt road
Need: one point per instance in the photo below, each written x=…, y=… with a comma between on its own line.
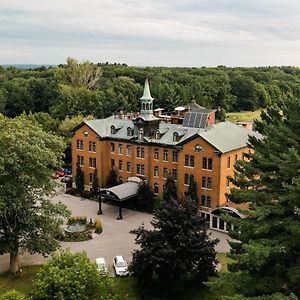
x=115, y=238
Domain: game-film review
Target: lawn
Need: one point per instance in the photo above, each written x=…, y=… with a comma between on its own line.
x=243, y=116
x=125, y=287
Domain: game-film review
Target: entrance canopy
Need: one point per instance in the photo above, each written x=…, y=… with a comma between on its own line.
x=229, y=210
x=122, y=191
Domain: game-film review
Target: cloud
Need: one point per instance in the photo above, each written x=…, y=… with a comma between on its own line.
x=211, y=32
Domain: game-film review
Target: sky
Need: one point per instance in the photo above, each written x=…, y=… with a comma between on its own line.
x=191, y=33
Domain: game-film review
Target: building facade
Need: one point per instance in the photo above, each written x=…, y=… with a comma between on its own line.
x=152, y=148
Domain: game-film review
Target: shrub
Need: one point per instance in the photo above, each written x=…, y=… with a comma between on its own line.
x=77, y=219
x=98, y=226
x=13, y=295
x=72, y=191
x=87, y=194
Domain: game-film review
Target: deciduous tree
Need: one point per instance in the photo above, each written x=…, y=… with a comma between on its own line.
x=28, y=219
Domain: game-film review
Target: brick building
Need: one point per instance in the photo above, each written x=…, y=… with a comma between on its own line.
x=188, y=143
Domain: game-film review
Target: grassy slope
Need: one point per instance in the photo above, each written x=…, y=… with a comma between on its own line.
x=243, y=115
x=125, y=287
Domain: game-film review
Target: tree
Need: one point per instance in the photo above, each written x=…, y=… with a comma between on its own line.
x=192, y=190
x=267, y=258
x=29, y=221
x=84, y=74
x=95, y=183
x=112, y=179
x=170, y=190
x=145, y=198
x=79, y=178
x=71, y=276
x=177, y=251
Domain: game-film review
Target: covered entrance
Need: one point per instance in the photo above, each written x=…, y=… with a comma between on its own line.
x=120, y=193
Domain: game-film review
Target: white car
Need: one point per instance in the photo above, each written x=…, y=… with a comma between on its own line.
x=101, y=266
x=120, y=265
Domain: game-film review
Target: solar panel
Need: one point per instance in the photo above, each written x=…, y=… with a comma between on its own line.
x=193, y=119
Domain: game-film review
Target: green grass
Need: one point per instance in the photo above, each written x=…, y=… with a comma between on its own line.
x=243, y=116
x=22, y=283
x=125, y=287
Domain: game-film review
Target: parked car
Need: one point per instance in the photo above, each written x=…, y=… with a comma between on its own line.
x=120, y=266
x=68, y=181
x=54, y=175
x=60, y=173
x=101, y=266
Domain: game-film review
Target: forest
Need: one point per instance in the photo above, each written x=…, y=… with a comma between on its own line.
x=99, y=90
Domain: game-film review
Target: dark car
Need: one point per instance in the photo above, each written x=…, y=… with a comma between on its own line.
x=67, y=180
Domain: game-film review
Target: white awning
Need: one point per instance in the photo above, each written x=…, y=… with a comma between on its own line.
x=122, y=191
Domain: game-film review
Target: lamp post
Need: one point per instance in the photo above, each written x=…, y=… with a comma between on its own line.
x=120, y=211
x=100, y=206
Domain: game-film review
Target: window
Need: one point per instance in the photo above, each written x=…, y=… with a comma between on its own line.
x=206, y=201
x=91, y=177
x=156, y=153
x=128, y=150
x=120, y=165
x=141, y=133
x=128, y=166
x=235, y=158
x=120, y=179
x=165, y=173
x=227, y=182
x=157, y=135
x=207, y=163
x=138, y=152
x=174, y=174
x=175, y=137
x=209, y=183
x=198, y=148
x=112, y=163
x=79, y=144
x=112, y=147
x=189, y=161
x=192, y=161
x=156, y=171
x=175, y=156
x=142, y=152
x=92, y=162
x=92, y=146
x=165, y=155
x=186, y=179
x=80, y=160
x=204, y=163
x=120, y=149
x=204, y=182
x=155, y=188
x=113, y=129
x=228, y=162
x=129, y=131
x=140, y=169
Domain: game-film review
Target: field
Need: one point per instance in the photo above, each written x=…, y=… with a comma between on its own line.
x=126, y=287
x=243, y=116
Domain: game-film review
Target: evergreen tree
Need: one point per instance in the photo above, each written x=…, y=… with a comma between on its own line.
x=174, y=253
x=192, y=190
x=95, y=183
x=267, y=258
x=79, y=179
x=112, y=179
x=170, y=190
x=145, y=198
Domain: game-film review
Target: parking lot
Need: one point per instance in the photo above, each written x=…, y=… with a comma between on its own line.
x=115, y=238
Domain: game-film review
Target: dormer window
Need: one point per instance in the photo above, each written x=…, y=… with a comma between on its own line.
x=113, y=129
x=175, y=137
x=141, y=133
x=129, y=131
x=198, y=148
x=157, y=134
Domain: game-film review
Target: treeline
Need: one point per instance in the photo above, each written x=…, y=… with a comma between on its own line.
x=103, y=89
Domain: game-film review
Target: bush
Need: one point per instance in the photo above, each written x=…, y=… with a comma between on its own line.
x=72, y=191
x=98, y=226
x=77, y=219
x=87, y=194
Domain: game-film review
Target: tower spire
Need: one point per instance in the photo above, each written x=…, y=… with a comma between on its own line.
x=146, y=94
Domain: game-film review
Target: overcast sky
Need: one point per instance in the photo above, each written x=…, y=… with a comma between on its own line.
x=151, y=33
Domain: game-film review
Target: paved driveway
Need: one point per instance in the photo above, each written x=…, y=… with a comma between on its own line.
x=115, y=238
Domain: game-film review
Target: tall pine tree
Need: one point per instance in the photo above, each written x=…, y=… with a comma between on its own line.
x=267, y=258
x=170, y=190
x=79, y=178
